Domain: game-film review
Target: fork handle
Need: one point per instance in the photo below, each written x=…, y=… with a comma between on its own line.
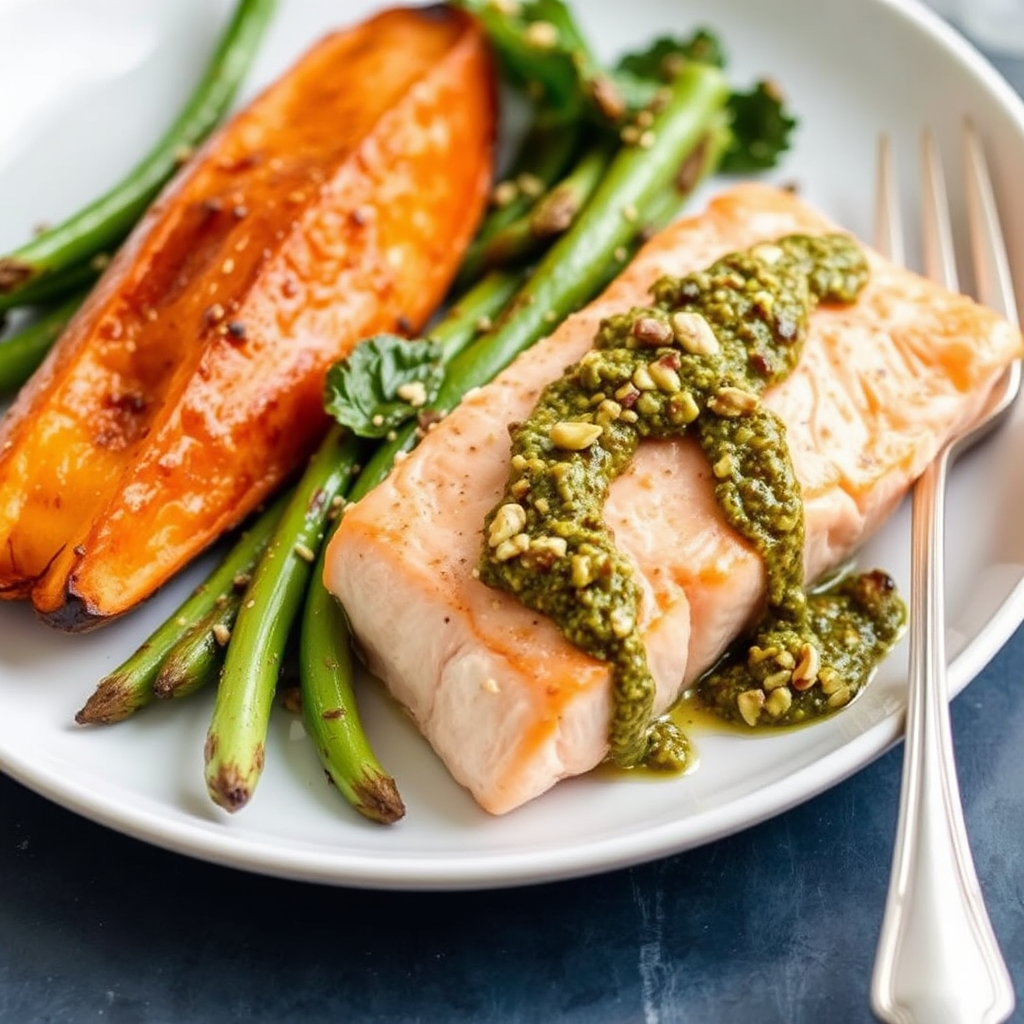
x=938, y=960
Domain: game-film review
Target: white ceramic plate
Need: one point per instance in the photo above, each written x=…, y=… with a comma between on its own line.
x=77, y=115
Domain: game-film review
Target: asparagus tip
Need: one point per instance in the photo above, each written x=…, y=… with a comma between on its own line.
x=169, y=682
x=555, y=213
x=113, y=700
x=377, y=797
x=14, y=273
x=228, y=784
x=163, y=689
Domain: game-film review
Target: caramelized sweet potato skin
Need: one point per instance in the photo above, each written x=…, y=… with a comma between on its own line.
x=336, y=205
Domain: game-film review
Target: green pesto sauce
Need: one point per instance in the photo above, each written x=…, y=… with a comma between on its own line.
x=851, y=624
x=697, y=359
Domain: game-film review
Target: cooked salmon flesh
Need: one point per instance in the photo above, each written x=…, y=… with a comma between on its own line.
x=510, y=705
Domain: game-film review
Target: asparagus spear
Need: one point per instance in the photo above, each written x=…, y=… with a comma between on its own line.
x=129, y=686
x=21, y=353
x=106, y=220
x=593, y=250
x=544, y=154
x=54, y=287
x=238, y=727
x=194, y=660
x=330, y=712
x=524, y=237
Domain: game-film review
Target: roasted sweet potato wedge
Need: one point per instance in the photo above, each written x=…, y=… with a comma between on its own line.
x=336, y=205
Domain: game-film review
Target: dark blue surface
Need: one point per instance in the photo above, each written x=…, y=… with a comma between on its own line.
x=776, y=925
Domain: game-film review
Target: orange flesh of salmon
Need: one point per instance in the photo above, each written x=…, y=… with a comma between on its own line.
x=509, y=705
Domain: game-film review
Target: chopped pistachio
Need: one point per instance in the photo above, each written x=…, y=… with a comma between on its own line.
x=414, y=392
x=777, y=679
x=530, y=185
x=841, y=697
x=556, y=545
x=749, y=703
x=513, y=547
x=829, y=680
x=608, y=411
x=541, y=34
x=582, y=571
x=683, y=408
x=806, y=671
x=505, y=192
x=508, y=521
x=642, y=378
x=648, y=405
x=621, y=621
x=724, y=467
x=574, y=436
x=665, y=377
x=779, y=701
x=732, y=402
x=651, y=331
x=694, y=334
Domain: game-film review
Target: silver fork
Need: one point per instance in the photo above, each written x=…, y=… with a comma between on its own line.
x=938, y=960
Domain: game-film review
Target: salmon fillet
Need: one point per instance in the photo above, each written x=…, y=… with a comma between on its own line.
x=509, y=704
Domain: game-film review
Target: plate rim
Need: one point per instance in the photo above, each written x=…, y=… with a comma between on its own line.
x=423, y=872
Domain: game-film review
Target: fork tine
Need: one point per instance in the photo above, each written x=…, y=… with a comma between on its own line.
x=888, y=222
x=991, y=264
x=936, y=231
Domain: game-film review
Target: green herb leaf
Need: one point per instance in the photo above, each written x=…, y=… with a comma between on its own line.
x=383, y=382
x=760, y=126
x=659, y=61
x=543, y=51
